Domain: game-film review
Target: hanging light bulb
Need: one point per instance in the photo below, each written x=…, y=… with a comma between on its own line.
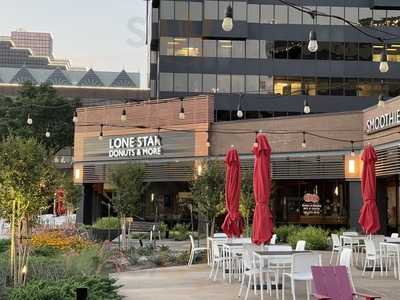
x=208, y=144
x=304, y=144
x=47, y=134
x=29, y=121
x=307, y=108
x=227, y=24
x=313, y=43
x=182, y=111
x=255, y=141
x=384, y=65
x=353, y=153
x=239, y=112
x=75, y=118
x=123, y=115
x=381, y=102
x=101, y=133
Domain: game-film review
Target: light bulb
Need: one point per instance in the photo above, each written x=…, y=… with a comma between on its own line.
x=100, y=136
x=29, y=120
x=75, y=118
x=383, y=66
x=353, y=153
x=182, y=115
x=313, y=43
x=47, y=134
x=123, y=115
x=303, y=144
x=307, y=108
x=239, y=113
x=381, y=103
x=208, y=144
x=227, y=24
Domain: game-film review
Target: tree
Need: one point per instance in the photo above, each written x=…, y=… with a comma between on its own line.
x=208, y=192
x=247, y=202
x=128, y=188
x=47, y=110
x=27, y=182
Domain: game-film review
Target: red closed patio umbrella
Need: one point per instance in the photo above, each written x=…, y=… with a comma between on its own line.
x=262, y=221
x=369, y=217
x=233, y=224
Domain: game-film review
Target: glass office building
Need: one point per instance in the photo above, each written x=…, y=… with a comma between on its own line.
x=265, y=57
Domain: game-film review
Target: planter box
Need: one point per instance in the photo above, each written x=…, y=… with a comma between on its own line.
x=101, y=235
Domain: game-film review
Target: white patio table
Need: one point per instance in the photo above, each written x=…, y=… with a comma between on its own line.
x=385, y=247
x=229, y=249
x=353, y=241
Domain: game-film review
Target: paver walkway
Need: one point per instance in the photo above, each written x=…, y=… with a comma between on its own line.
x=180, y=283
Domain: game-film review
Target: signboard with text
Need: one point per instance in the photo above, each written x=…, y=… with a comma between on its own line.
x=383, y=121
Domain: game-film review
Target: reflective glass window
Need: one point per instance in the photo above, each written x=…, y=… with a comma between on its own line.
x=181, y=46
x=393, y=18
x=294, y=16
x=306, y=53
x=267, y=14
x=281, y=86
x=337, y=11
x=351, y=51
x=266, y=49
x=323, y=20
x=294, y=49
x=351, y=14
x=280, y=51
x=209, y=48
x=154, y=15
x=209, y=83
x=195, y=83
x=295, y=86
x=181, y=10
x=322, y=86
x=223, y=83
x=323, y=50
x=368, y=87
x=195, y=47
x=167, y=10
x=310, y=86
x=365, y=51
x=166, y=82
x=180, y=82
x=153, y=57
x=365, y=16
x=376, y=53
x=307, y=19
x=266, y=84
x=196, y=11
x=281, y=14
x=337, y=51
x=253, y=13
x=210, y=10
x=166, y=46
x=337, y=88
x=393, y=53
x=237, y=83
x=350, y=86
x=379, y=17
x=240, y=10
x=238, y=49
x=224, y=48
x=252, y=48
x=252, y=84
x=222, y=5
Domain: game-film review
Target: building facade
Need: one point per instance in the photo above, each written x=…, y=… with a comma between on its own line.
x=314, y=156
x=41, y=43
x=266, y=59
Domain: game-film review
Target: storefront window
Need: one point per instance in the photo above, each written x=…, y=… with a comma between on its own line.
x=323, y=19
x=266, y=85
x=368, y=87
x=365, y=52
x=266, y=49
x=294, y=16
x=322, y=86
x=295, y=86
x=306, y=53
x=351, y=14
x=238, y=49
x=180, y=82
x=239, y=11
x=195, y=83
x=252, y=84
x=351, y=51
x=237, y=83
x=310, y=86
x=307, y=19
x=350, y=86
x=281, y=14
x=267, y=14
x=280, y=51
x=365, y=16
x=181, y=10
x=196, y=11
x=281, y=86
x=223, y=83
x=209, y=83
x=224, y=48
x=253, y=13
x=323, y=50
x=252, y=48
x=210, y=10
x=394, y=53
x=337, y=11
x=167, y=46
x=167, y=10
x=376, y=53
x=181, y=46
x=195, y=47
x=294, y=50
x=209, y=48
x=166, y=82
x=222, y=7
x=337, y=87
x=337, y=51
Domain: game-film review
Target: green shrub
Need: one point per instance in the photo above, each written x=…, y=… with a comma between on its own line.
x=86, y=262
x=284, y=231
x=316, y=238
x=46, y=250
x=99, y=288
x=107, y=223
x=4, y=245
x=180, y=232
x=3, y=274
x=46, y=268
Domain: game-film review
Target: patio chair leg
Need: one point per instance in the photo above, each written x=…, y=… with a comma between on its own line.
x=373, y=269
x=293, y=289
x=241, y=285
x=212, y=270
x=283, y=286
x=216, y=272
x=365, y=267
x=248, y=288
x=277, y=283
x=308, y=289
x=337, y=257
x=330, y=261
x=381, y=265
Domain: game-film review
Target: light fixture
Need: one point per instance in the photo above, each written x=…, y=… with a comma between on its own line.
x=75, y=118
x=384, y=65
x=29, y=120
x=77, y=174
x=304, y=144
x=227, y=24
x=101, y=132
x=47, y=134
x=307, y=108
x=381, y=102
x=353, y=153
x=123, y=115
x=199, y=170
x=182, y=111
x=239, y=112
x=313, y=43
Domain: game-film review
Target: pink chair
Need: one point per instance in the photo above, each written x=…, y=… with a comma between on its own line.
x=333, y=283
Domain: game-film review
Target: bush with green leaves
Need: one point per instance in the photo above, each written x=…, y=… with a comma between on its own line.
x=180, y=232
x=283, y=232
x=46, y=268
x=46, y=250
x=4, y=245
x=108, y=223
x=99, y=288
x=316, y=238
x=3, y=273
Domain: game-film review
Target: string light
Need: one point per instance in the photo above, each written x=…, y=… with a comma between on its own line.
x=304, y=144
x=208, y=144
x=47, y=134
x=353, y=153
x=381, y=102
x=227, y=24
x=29, y=120
x=182, y=111
x=384, y=65
x=123, y=115
x=307, y=108
x=75, y=118
x=313, y=43
x=239, y=112
x=101, y=132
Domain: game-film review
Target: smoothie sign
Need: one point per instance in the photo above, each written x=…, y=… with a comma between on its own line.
x=134, y=146
x=383, y=121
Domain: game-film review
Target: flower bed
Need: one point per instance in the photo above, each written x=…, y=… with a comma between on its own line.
x=60, y=240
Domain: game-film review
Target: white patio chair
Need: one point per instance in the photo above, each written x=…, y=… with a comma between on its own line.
x=250, y=269
x=346, y=256
x=336, y=247
x=394, y=235
x=372, y=254
x=301, y=271
x=277, y=264
x=217, y=261
x=273, y=240
x=209, y=250
x=194, y=250
x=301, y=245
x=220, y=235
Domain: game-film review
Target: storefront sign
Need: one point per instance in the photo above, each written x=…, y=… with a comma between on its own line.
x=134, y=146
x=311, y=206
x=383, y=121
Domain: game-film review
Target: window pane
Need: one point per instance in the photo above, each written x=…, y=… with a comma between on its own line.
x=376, y=52
x=351, y=14
x=281, y=14
x=351, y=51
x=222, y=8
x=310, y=86
x=281, y=86
x=209, y=83
x=153, y=57
x=154, y=15
x=181, y=46
x=252, y=84
x=365, y=52
x=209, y=48
x=238, y=49
x=167, y=10
x=393, y=18
x=252, y=48
x=166, y=82
x=294, y=51
x=266, y=49
x=166, y=46
x=337, y=11
x=379, y=17
x=280, y=49
x=337, y=86
x=266, y=84
x=195, y=47
x=223, y=83
x=253, y=13
x=323, y=86
x=267, y=14
x=306, y=17
x=294, y=16
x=368, y=87
x=365, y=16
x=237, y=84
x=323, y=50
x=195, y=83
x=306, y=53
x=337, y=51
x=224, y=48
x=180, y=82
x=181, y=10
x=210, y=10
x=239, y=11
x=393, y=54
x=196, y=11
x=323, y=20
x=350, y=87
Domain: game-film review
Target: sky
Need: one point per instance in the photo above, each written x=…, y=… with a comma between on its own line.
x=107, y=35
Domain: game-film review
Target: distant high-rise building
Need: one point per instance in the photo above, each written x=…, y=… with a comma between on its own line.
x=41, y=43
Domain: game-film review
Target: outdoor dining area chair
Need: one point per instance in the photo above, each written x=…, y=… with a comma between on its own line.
x=194, y=250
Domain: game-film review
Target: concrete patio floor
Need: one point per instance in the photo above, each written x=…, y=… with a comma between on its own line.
x=183, y=283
